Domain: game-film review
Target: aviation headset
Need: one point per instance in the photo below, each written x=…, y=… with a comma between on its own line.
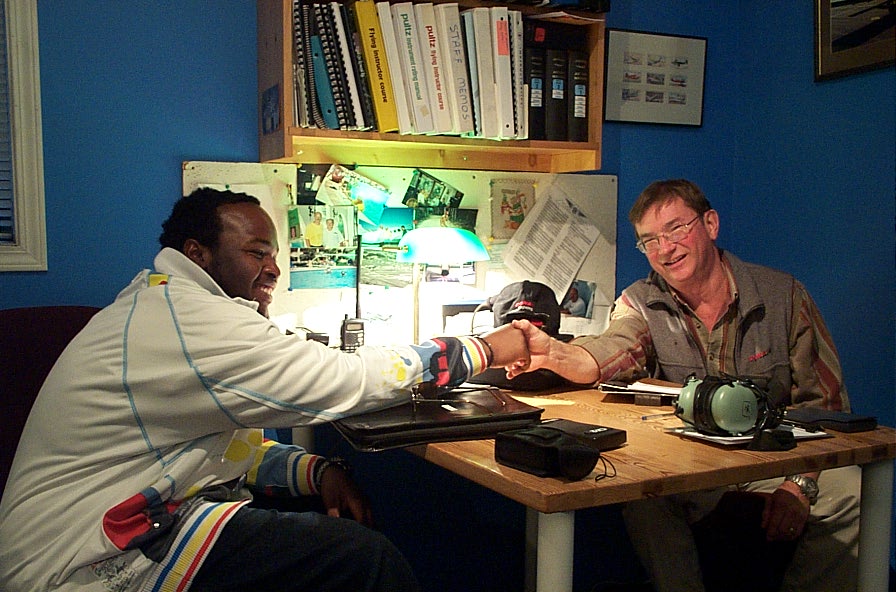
x=725, y=406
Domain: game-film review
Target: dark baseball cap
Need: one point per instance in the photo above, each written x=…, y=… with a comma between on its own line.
x=528, y=300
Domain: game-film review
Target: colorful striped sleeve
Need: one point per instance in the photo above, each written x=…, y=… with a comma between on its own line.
x=450, y=361
x=283, y=470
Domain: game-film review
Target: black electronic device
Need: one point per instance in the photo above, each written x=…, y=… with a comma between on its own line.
x=352, y=334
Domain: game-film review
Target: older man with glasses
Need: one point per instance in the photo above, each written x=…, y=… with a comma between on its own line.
x=703, y=311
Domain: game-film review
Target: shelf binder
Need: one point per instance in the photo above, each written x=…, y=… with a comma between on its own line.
x=577, y=119
x=433, y=64
x=345, y=58
x=500, y=44
x=556, y=99
x=335, y=73
x=362, y=77
x=378, y=65
x=479, y=43
x=406, y=36
x=323, y=90
x=520, y=87
x=390, y=44
x=534, y=76
x=457, y=79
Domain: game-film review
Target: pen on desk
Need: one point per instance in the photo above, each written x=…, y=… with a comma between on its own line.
x=655, y=415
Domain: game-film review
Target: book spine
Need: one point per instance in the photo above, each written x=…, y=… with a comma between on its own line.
x=396, y=73
x=362, y=77
x=300, y=79
x=501, y=63
x=347, y=61
x=415, y=81
x=451, y=38
x=520, y=87
x=556, y=102
x=577, y=87
x=534, y=75
x=370, y=35
x=434, y=67
x=473, y=70
x=332, y=62
x=485, y=70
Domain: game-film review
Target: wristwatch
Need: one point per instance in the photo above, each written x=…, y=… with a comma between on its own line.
x=326, y=463
x=808, y=486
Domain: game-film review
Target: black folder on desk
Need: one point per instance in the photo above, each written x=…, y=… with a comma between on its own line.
x=459, y=415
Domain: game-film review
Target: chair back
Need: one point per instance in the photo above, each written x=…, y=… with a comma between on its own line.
x=31, y=340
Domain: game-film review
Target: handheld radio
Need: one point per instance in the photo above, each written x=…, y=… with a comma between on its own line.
x=352, y=334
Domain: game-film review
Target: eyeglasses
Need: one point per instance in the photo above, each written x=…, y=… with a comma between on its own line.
x=676, y=235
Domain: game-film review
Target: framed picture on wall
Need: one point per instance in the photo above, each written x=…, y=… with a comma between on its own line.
x=853, y=36
x=654, y=78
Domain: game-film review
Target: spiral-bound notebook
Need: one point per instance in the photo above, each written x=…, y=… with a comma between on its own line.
x=462, y=414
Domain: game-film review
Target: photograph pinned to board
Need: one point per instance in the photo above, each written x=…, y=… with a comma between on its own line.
x=430, y=197
x=511, y=200
x=323, y=246
x=578, y=301
x=654, y=78
x=379, y=248
x=341, y=186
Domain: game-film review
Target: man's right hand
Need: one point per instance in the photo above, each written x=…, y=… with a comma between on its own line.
x=569, y=361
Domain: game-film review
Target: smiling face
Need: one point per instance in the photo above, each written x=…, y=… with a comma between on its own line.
x=688, y=262
x=244, y=261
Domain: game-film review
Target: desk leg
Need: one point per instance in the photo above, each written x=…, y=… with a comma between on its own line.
x=874, y=529
x=552, y=551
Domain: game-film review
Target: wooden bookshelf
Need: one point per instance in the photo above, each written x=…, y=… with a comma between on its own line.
x=285, y=142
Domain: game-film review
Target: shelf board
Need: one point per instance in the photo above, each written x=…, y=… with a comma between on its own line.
x=311, y=146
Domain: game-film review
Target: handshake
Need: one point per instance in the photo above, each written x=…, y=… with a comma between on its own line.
x=520, y=346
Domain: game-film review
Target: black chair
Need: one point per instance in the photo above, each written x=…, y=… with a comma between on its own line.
x=31, y=340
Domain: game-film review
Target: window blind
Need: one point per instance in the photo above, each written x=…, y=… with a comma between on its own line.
x=7, y=214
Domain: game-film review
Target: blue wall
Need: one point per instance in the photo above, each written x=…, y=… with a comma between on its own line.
x=801, y=172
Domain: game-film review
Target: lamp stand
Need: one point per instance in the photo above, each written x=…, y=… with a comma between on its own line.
x=416, y=281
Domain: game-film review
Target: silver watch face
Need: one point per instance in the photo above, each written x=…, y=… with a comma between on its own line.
x=808, y=486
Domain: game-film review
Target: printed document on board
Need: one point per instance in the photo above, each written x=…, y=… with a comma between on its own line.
x=552, y=242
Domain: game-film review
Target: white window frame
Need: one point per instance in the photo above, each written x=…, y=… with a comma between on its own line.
x=29, y=253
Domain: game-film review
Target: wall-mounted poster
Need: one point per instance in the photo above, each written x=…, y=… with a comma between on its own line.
x=653, y=78
x=511, y=200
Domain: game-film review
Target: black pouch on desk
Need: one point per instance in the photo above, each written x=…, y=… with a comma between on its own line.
x=546, y=451
x=459, y=415
x=815, y=417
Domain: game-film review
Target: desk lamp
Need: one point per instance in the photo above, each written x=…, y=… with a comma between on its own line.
x=437, y=246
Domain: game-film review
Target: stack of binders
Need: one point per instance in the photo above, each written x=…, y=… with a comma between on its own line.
x=434, y=68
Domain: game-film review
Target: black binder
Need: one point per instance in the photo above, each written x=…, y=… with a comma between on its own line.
x=534, y=76
x=332, y=54
x=577, y=90
x=556, y=95
x=463, y=414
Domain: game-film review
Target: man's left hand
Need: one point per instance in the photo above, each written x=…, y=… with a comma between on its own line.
x=785, y=514
x=341, y=496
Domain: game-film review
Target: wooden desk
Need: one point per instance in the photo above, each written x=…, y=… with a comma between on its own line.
x=656, y=463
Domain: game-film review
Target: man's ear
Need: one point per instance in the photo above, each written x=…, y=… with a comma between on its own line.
x=197, y=253
x=711, y=221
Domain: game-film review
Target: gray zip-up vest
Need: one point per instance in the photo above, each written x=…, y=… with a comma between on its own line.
x=764, y=310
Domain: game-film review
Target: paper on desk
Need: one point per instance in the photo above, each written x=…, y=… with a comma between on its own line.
x=690, y=432
x=646, y=385
x=542, y=401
